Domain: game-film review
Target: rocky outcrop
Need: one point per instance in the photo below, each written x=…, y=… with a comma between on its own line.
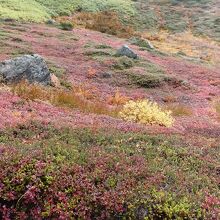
x=32, y=68
x=126, y=51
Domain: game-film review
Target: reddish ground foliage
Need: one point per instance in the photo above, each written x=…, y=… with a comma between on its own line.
x=67, y=49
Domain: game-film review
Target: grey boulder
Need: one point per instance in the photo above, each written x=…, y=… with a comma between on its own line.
x=126, y=51
x=32, y=68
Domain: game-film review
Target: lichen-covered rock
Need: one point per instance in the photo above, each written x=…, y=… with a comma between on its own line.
x=126, y=51
x=32, y=68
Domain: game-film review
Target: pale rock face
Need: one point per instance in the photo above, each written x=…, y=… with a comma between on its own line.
x=55, y=81
x=32, y=68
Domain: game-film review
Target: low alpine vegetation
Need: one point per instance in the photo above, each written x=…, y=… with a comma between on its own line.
x=66, y=173
x=66, y=26
x=108, y=22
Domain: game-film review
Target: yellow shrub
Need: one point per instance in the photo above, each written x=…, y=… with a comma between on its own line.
x=146, y=112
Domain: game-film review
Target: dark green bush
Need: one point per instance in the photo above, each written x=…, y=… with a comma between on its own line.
x=67, y=26
x=123, y=63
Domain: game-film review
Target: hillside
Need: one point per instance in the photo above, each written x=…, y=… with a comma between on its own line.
x=199, y=16
x=133, y=136
x=40, y=10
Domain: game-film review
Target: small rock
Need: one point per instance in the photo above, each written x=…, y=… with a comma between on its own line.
x=150, y=44
x=126, y=51
x=9, y=20
x=32, y=68
x=54, y=81
x=51, y=21
x=107, y=75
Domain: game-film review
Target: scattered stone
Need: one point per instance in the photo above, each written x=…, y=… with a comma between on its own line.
x=106, y=75
x=126, y=51
x=51, y=21
x=32, y=68
x=150, y=45
x=55, y=81
x=9, y=20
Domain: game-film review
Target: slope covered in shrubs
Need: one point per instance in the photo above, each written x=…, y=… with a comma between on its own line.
x=40, y=10
x=65, y=155
x=97, y=174
x=199, y=16
x=176, y=16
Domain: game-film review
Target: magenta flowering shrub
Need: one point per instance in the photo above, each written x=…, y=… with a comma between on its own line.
x=35, y=185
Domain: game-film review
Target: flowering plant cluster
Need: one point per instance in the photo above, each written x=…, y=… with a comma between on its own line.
x=146, y=112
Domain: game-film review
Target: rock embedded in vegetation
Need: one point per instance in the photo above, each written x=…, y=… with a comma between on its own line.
x=55, y=81
x=51, y=21
x=150, y=45
x=107, y=75
x=126, y=51
x=32, y=68
x=9, y=20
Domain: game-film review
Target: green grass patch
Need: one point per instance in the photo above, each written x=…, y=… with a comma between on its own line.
x=28, y=10
x=41, y=10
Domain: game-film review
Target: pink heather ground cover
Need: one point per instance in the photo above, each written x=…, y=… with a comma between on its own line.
x=67, y=52
x=50, y=172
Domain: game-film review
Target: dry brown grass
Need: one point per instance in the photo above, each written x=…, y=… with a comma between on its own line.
x=105, y=22
x=75, y=98
x=170, y=99
x=185, y=43
x=86, y=90
x=117, y=99
x=179, y=110
x=32, y=91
